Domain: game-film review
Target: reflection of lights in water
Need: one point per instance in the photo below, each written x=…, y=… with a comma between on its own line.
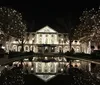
x=32, y=69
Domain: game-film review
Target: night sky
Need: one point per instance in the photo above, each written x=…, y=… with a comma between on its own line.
x=55, y=14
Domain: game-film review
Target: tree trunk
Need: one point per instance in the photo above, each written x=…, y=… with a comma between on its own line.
x=22, y=45
x=70, y=45
x=70, y=63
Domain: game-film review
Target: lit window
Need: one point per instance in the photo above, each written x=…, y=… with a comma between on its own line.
x=52, y=35
x=46, y=35
x=40, y=35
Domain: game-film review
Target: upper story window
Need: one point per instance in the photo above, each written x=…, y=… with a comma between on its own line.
x=52, y=35
x=40, y=35
x=46, y=35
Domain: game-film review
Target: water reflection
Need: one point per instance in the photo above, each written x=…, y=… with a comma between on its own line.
x=76, y=71
x=53, y=65
x=46, y=68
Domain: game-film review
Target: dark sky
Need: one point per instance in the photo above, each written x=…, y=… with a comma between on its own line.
x=38, y=14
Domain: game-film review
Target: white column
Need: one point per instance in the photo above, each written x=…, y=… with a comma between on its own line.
x=89, y=48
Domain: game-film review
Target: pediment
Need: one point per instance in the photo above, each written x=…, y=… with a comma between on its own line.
x=47, y=29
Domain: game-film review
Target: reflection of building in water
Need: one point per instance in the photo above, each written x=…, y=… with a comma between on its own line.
x=40, y=66
x=45, y=40
x=59, y=65
x=46, y=70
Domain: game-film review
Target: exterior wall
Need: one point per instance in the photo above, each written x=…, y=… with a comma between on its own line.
x=45, y=36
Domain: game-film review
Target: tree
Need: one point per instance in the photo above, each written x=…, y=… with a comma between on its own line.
x=11, y=24
x=89, y=27
x=69, y=24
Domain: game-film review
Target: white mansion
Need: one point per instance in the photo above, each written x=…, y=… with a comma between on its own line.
x=46, y=40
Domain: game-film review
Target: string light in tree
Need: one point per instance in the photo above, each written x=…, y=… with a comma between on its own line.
x=89, y=25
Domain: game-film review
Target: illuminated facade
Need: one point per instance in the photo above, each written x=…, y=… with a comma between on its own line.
x=44, y=40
